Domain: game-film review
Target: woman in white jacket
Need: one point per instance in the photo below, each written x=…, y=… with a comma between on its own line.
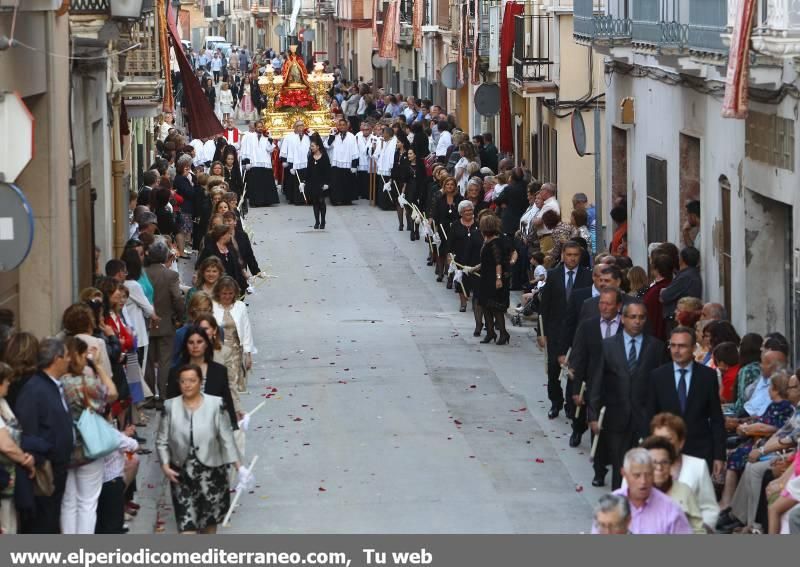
x=225, y=101
x=231, y=314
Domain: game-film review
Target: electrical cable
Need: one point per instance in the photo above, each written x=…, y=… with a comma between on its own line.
x=15, y=42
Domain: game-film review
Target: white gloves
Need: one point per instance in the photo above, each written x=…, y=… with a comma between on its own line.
x=291, y=171
x=244, y=423
x=247, y=167
x=353, y=170
x=387, y=187
x=437, y=240
x=303, y=188
x=401, y=200
x=324, y=187
x=246, y=481
x=285, y=164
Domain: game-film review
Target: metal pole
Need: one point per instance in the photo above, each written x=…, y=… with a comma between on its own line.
x=598, y=182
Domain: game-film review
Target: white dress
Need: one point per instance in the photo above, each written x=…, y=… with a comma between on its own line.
x=226, y=101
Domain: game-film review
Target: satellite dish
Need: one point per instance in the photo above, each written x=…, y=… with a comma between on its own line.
x=309, y=35
x=379, y=62
x=16, y=227
x=450, y=77
x=487, y=99
x=578, y=132
x=280, y=31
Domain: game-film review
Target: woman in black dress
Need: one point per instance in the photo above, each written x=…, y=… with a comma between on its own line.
x=493, y=289
x=231, y=171
x=467, y=243
x=218, y=242
x=318, y=173
x=210, y=92
x=400, y=175
x=445, y=213
x=416, y=185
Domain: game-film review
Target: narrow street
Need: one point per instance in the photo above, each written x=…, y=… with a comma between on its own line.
x=384, y=414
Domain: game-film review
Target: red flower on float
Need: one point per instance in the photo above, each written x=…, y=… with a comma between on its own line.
x=297, y=99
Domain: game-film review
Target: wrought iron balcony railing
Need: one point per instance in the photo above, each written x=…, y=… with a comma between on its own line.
x=89, y=7
x=707, y=22
x=532, y=60
x=593, y=22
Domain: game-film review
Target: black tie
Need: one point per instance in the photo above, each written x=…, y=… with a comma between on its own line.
x=570, y=282
x=682, y=394
x=632, y=356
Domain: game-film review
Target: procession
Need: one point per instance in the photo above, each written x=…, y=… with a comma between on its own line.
x=301, y=300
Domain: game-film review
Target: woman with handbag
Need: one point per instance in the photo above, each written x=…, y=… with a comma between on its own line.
x=196, y=446
x=85, y=391
x=10, y=453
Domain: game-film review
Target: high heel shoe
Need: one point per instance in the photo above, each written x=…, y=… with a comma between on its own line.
x=400, y=228
x=477, y=332
x=489, y=338
x=322, y=225
x=463, y=309
x=316, y=226
x=504, y=337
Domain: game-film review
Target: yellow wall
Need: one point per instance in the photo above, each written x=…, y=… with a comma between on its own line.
x=575, y=174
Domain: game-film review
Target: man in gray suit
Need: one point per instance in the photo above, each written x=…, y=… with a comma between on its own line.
x=168, y=306
x=621, y=384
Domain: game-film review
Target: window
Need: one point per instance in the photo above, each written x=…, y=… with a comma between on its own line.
x=656, y=199
x=770, y=139
x=549, y=154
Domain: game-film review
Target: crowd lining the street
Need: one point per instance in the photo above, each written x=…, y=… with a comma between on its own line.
x=697, y=425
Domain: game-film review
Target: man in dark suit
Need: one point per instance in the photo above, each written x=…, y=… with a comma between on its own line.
x=168, y=304
x=691, y=391
x=586, y=356
x=621, y=384
x=561, y=282
x=43, y=413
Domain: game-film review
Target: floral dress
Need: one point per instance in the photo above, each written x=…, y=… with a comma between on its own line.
x=776, y=415
x=234, y=359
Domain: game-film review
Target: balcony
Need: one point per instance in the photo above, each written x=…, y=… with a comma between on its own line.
x=592, y=24
x=776, y=30
x=532, y=62
x=657, y=25
x=326, y=7
x=707, y=23
x=89, y=7
x=140, y=69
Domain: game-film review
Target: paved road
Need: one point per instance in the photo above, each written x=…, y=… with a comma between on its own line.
x=386, y=415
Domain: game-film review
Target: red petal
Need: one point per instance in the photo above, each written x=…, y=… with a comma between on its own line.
x=473, y=386
x=456, y=422
x=578, y=488
x=322, y=489
x=538, y=460
x=298, y=419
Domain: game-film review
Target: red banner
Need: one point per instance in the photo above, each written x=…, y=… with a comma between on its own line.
x=419, y=17
x=734, y=105
x=476, y=28
x=506, y=52
x=391, y=31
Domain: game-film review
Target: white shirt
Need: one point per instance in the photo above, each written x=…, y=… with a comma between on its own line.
x=342, y=150
x=461, y=167
x=209, y=149
x=225, y=97
x=445, y=141
x=295, y=149
x=199, y=152
x=257, y=149
x=694, y=474
x=384, y=156
x=138, y=308
x=527, y=218
x=364, y=144
x=550, y=204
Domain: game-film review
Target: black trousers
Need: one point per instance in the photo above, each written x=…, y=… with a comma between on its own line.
x=111, y=507
x=616, y=445
x=46, y=518
x=363, y=184
x=555, y=393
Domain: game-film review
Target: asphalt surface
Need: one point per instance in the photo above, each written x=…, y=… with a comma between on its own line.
x=383, y=414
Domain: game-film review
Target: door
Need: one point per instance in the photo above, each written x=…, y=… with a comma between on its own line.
x=656, y=199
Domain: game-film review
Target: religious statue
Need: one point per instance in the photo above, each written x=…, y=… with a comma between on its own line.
x=295, y=74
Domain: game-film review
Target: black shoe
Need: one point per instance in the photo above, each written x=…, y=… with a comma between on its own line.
x=430, y=262
x=449, y=282
x=322, y=225
x=729, y=527
x=477, y=332
x=411, y=237
x=408, y=227
x=463, y=309
x=554, y=411
x=504, y=338
x=439, y=278
x=575, y=438
x=400, y=228
x=598, y=481
x=489, y=338
x=316, y=226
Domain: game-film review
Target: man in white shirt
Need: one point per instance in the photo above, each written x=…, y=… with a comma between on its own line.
x=383, y=152
x=343, y=153
x=445, y=141
x=257, y=161
x=294, y=155
x=209, y=149
x=364, y=142
x=548, y=193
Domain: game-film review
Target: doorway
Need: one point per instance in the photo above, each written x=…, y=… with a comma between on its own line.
x=768, y=257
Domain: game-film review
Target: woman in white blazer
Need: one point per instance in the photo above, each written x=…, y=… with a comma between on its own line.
x=138, y=308
x=231, y=314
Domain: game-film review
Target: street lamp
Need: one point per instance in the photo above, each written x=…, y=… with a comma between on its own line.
x=126, y=9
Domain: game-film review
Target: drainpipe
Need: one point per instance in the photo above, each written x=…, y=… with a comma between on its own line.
x=117, y=171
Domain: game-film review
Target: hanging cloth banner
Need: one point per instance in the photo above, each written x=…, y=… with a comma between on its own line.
x=461, y=41
x=475, y=41
x=734, y=105
x=168, y=104
x=375, y=42
x=203, y=123
x=506, y=52
x=418, y=18
x=295, y=12
x=391, y=31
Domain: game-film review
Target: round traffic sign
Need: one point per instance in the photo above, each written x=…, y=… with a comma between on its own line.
x=578, y=132
x=16, y=227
